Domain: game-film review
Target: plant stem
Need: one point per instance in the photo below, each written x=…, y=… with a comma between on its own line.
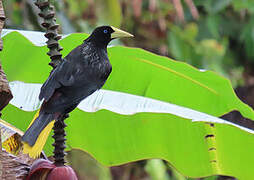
x=48, y=13
x=59, y=144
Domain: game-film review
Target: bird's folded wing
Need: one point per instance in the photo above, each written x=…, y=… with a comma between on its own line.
x=61, y=76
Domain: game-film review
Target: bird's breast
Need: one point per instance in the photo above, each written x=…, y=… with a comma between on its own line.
x=97, y=64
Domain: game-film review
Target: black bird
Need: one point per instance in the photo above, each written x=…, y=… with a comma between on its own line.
x=83, y=71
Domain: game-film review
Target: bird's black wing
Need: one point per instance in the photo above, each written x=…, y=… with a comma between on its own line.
x=63, y=75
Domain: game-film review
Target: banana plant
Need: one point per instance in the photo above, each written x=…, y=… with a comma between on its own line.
x=150, y=107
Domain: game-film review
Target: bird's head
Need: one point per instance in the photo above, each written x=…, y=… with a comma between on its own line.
x=104, y=34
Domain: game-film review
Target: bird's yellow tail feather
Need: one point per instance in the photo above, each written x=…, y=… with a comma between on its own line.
x=35, y=150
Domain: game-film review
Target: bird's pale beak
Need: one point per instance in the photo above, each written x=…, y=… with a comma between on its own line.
x=119, y=33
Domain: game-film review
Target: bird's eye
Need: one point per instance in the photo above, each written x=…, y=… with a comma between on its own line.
x=105, y=31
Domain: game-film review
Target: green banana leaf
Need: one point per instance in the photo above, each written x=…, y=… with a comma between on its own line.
x=114, y=135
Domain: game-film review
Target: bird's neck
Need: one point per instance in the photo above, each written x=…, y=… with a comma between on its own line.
x=96, y=48
x=97, y=42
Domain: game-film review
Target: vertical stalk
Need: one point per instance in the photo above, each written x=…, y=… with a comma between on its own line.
x=59, y=144
x=49, y=23
x=48, y=13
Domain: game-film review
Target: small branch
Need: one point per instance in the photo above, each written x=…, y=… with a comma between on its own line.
x=179, y=10
x=193, y=9
x=152, y=5
x=137, y=7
